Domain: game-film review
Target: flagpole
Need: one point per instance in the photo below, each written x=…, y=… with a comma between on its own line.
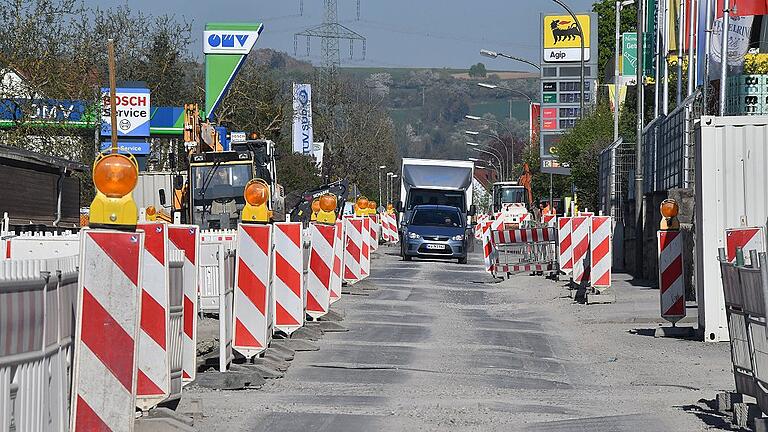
x=707, y=53
x=656, y=60
x=667, y=22
x=724, y=54
x=691, y=21
x=680, y=51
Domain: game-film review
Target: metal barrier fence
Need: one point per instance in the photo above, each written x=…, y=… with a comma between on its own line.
x=37, y=301
x=668, y=147
x=176, y=320
x=617, y=163
x=744, y=288
x=522, y=250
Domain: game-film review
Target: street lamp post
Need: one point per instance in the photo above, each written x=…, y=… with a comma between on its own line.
x=392, y=186
x=489, y=163
x=581, y=39
x=494, y=54
x=379, y=172
x=474, y=146
x=497, y=138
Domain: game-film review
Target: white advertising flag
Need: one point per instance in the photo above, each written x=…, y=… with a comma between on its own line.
x=317, y=152
x=739, y=32
x=302, y=119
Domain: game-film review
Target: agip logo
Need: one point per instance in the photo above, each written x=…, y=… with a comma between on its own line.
x=229, y=42
x=562, y=41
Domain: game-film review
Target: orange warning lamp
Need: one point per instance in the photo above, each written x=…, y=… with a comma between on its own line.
x=390, y=208
x=669, y=211
x=361, y=206
x=327, y=212
x=256, y=196
x=371, y=207
x=114, y=176
x=151, y=213
x=315, y=208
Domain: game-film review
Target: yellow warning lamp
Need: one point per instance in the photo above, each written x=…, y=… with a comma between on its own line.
x=390, y=208
x=114, y=176
x=327, y=212
x=361, y=206
x=669, y=210
x=151, y=213
x=371, y=208
x=315, y=209
x=256, y=196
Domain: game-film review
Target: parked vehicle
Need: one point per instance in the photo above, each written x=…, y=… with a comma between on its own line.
x=435, y=231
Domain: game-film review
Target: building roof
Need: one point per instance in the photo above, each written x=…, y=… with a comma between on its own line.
x=38, y=160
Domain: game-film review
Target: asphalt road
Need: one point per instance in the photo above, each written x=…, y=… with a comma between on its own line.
x=439, y=346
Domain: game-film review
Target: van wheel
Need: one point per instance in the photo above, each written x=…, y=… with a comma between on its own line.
x=463, y=260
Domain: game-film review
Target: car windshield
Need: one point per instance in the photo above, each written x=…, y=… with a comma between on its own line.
x=513, y=195
x=435, y=197
x=442, y=218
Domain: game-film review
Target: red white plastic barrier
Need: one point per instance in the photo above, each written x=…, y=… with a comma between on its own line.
x=154, y=379
x=523, y=235
x=253, y=289
x=580, y=227
x=320, y=269
x=365, y=251
x=565, y=244
x=600, y=251
x=288, y=281
x=374, y=227
x=41, y=246
x=479, y=227
x=187, y=239
x=338, y=262
x=176, y=262
x=671, y=287
x=549, y=220
x=488, y=250
x=388, y=227
x=353, y=232
x=107, y=328
x=746, y=239
x=5, y=249
x=523, y=249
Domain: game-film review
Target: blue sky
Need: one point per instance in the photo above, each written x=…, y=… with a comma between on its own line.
x=400, y=33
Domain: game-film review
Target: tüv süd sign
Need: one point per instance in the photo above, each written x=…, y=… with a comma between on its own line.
x=302, y=119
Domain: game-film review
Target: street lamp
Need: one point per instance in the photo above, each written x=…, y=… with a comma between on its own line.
x=489, y=163
x=494, y=54
x=494, y=86
x=581, y=40
x=497, y=138
x=392, y=186
x=379, y=172
x=475, y=147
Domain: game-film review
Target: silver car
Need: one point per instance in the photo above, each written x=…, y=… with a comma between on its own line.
x=435, y=231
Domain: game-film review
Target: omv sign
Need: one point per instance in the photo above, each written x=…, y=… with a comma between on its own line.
x=229, y=41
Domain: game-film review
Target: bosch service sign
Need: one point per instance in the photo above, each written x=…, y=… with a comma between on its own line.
x=229, y=42
x=132, y=110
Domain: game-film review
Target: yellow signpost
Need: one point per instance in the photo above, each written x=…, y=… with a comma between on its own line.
x=561, y=38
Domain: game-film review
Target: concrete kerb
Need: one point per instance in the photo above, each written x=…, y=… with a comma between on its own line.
x=231, y=380
x=296, y=345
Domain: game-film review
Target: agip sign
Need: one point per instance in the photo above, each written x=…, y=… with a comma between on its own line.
x=562, y=41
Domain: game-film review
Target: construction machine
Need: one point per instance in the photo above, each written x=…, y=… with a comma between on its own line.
x=217, y=177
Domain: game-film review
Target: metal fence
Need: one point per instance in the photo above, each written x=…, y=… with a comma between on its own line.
x=668, y=147
x=616, y=168
x=744, y=288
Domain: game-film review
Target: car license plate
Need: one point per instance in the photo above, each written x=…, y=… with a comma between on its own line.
x=435, y=246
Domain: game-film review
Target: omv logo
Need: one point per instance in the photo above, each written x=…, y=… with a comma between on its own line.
x=229, y=42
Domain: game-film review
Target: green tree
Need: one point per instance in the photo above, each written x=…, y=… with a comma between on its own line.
x=477, y=70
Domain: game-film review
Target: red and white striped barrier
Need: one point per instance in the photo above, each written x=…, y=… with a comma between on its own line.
x=519, y=268
x=253, y=287
x=288, y=279
x=154, y=380
x=523, y=235
x=107, y=328
x=187, y=239
x=5, y=249
x=580, y=228
x=549, y=220
x=479, y=226
x=746, y=239
x=41, y=246
x=374, y=227
x=353, y=233
x=600, y=251
x=565, y=244
x=320, y=269
x=488, y=250
x=338, y=262
x=389, y=228
x=671, y=287
x=365, y=251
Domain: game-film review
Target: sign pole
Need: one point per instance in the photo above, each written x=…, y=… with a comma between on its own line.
x=616, y=84
x=112, y=93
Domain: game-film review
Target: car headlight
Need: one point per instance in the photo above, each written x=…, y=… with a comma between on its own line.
x=413, y=235
x=458, y=237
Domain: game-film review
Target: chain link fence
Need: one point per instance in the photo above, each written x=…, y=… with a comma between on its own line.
x=616, y=172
